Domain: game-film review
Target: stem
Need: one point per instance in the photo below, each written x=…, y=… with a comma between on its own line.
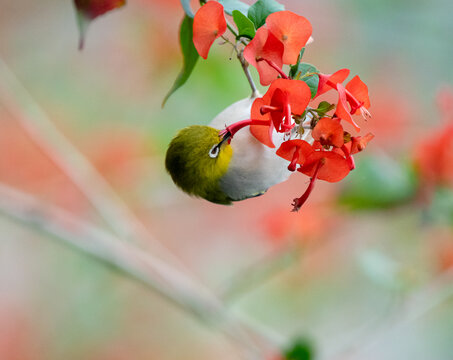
x=298, y=202
x=309, y=74
x=275, y=67
x=230, y=27
x=245, y=68
x=244, y=63
x=229, y=42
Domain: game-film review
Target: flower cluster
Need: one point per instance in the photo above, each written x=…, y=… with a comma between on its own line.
x=313, y=139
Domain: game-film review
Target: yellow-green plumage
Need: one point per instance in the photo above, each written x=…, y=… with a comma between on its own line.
x=191, y=167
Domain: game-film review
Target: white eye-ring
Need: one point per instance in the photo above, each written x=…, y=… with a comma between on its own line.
x=214, y=152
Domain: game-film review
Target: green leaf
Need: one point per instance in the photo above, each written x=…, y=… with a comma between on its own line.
x=304, y=72
x=244, y=24
x=231, y=5
x=186, y=6
x=260, y=10
x=378, y=182
x=324, y=107
x=300, y=350
x=190, y=55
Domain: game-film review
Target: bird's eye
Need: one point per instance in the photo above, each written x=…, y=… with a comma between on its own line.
x=214, y=152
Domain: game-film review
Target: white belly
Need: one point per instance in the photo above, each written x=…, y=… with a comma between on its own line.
x=254, y=167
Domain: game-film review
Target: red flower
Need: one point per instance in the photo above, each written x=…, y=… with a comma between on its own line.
x=329, y=132
x=323, y=165
x=353, y=96
x=292, y=30
x=285, y=98
x=334, y=167
x=282, y=110
x=328, y=82
x=359, y=91
x=265, y=46
x=295, y=151
x=299, y=94
x=262, y=133
x=208, y=24
x=342, y=107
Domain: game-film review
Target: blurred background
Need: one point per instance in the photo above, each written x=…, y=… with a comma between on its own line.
x=361, y=272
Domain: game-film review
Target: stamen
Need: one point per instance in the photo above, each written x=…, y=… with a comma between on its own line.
x=365, y=113
x=287, y=125
x=267, y=109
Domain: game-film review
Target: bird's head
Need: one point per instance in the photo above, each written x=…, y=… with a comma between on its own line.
x=197, y=158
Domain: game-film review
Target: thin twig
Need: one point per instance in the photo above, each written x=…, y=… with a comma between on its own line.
x=230, y=27
x=245, y=68
x=244, y=64
x=257, y=274
x=134, y=263
x=33, y=119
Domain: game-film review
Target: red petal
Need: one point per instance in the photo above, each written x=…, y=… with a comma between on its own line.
x=262, y=133
x=337, y=77
x=334, y=168
x=342, y=110
x=299, y=93
x=329, y=132
x=265, y=45
x=208, y=24
x=359, y=90
x=279, y=99
x=292, y=30
x=360, y=142
x=286, y=150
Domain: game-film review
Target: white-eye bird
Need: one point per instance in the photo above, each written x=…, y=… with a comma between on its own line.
x=204, y=164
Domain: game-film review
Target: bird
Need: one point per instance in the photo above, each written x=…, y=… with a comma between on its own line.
x=222, y=170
